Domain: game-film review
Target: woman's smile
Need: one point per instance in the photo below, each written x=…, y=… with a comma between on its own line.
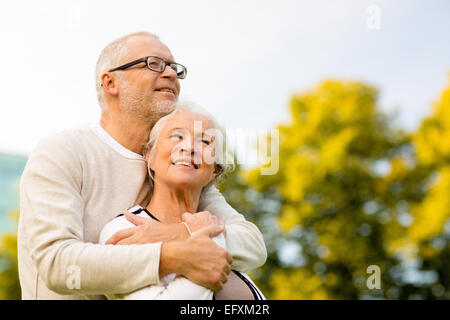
x=186, y=163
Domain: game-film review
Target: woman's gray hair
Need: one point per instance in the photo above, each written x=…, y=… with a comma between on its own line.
x=224, y=158
x=113, y=55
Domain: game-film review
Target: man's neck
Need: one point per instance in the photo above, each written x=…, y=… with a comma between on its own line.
x=168, y=204
x=128, y=132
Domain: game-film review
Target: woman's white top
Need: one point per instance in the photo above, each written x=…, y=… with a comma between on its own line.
x=171, y=286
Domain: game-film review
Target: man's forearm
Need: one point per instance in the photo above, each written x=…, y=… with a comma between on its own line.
x=75, y=267
x=246, y=245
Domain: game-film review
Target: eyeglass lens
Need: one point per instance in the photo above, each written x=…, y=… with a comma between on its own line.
x=157, y=64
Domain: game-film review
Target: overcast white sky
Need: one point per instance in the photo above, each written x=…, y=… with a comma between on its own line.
x=244, y=58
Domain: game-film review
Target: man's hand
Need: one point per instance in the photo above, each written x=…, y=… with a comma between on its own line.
x=200, y=220
x=198, y=258
x=148, y=230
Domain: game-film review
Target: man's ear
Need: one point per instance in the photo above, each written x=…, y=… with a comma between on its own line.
x=109, y=84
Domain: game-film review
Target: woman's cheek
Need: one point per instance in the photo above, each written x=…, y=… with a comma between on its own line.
x=173, y=150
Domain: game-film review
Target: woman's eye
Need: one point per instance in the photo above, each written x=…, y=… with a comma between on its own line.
x=176, y=137
x=207, y=142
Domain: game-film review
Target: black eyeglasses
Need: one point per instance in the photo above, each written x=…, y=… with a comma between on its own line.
x=156, y=64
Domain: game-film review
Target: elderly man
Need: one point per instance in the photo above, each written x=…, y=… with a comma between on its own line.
x=78, y=180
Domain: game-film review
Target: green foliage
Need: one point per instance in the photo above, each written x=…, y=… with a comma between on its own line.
x=9, y=277
x=351, y=191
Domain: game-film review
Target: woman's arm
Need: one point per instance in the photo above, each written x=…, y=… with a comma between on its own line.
x=234, y=289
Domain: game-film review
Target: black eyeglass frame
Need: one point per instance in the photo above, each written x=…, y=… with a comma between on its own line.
x=145, y=59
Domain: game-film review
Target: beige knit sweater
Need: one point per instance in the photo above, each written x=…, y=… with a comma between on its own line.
x=73, y=184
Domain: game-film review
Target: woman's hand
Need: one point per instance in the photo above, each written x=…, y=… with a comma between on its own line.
x=200, y=220
x=148, y=230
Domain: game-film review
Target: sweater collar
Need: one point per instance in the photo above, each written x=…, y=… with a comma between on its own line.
x=102, y=134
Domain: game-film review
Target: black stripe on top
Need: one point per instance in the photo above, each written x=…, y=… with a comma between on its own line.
x=139, y=211
x=150, y=215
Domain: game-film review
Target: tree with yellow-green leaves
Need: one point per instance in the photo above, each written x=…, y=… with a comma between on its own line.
x=429, y=234
x=418, y=189
x=432, y=142
x=349, y=195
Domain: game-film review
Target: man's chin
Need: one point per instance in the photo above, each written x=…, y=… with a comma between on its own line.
x=163, y=107
x=147, y=110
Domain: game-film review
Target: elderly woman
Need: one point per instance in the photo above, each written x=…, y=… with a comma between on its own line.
x=185, y=155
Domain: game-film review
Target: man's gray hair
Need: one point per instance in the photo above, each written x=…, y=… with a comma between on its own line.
x=114, y=54
x=224, y=157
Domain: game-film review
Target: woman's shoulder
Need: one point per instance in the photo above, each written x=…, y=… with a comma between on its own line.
x=119, y=223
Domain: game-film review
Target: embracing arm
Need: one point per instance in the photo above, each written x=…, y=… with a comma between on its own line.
x=244, y=241
x=173, y=287
x=52, y=229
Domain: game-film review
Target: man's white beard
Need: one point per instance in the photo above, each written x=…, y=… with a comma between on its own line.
x=142, y=107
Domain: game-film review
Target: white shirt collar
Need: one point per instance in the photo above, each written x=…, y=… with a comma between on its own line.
x=102, y=134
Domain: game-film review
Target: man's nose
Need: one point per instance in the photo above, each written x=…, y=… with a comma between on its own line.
x=169, y=73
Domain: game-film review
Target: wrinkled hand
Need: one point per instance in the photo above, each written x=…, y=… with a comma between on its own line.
x=147, y=230
x=200, y=220
x=198, y=258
